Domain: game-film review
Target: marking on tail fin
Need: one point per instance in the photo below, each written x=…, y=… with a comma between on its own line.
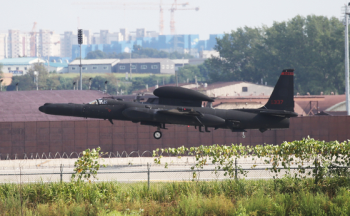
x=288, y=73
x=277, y=102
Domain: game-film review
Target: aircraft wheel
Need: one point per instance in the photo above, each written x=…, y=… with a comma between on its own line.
x=157, y=135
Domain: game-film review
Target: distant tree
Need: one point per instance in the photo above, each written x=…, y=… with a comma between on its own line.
x=312, y=45
x=26, y=82
x=65, y=83
x=42, y=77
x=97, y=54
x=52, y=83
x=191, y=71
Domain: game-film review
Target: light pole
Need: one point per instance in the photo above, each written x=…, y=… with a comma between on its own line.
x=90, y=83
x=347, y=58
x=36, y=79
x=130, y=64
x=80, y=42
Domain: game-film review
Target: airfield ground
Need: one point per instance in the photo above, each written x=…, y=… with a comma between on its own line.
x=127, y=170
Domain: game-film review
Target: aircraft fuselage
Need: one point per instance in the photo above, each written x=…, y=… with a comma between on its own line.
x=149, y=114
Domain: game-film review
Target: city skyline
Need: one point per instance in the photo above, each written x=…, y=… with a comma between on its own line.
x=213, y=17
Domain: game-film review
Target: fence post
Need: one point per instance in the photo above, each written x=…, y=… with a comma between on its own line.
x=61, y=169
x=316, y=171
x=236, y=168
x=148, y=173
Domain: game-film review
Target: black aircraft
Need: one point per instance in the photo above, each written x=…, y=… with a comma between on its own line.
x=176, y=105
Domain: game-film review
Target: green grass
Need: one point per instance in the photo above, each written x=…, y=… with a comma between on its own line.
x=243, y=197
x=117, y=75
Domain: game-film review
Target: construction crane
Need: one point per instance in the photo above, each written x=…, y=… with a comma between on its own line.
x=33, y=41
x=136, y=6
x=172, y=17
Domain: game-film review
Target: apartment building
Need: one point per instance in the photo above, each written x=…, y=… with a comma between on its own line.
x=67, y=40
x=18, y=44
x=3, y=45
x=48, y=43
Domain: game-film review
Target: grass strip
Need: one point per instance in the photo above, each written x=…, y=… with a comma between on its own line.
x=285, y=196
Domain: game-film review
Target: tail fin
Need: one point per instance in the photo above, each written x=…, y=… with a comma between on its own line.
x=282, y=97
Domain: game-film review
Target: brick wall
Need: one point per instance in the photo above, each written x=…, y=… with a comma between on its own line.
x=75, y=136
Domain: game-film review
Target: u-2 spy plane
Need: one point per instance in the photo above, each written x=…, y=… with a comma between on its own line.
x=176, y=105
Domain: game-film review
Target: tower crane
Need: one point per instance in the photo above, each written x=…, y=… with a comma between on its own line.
x=172, y=19
x=139, y=6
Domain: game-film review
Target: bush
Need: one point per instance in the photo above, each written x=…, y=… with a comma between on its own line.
x=87, y=165
x=329, y=158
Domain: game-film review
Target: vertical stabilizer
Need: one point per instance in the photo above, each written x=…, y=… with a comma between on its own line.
x=282, y=97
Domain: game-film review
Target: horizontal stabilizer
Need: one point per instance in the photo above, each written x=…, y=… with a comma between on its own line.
x=279, y=113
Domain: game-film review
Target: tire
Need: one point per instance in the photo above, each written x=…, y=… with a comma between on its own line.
x=157, y=135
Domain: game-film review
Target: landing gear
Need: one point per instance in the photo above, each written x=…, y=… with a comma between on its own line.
x=200, y=129
x=157, y=135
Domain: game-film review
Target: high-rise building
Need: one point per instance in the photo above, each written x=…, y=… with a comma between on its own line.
x=114, y=37
x=125, y=33
x=140, y=33
x=3, y=45
x=88, y=36
x=68, y=39
x=104, y=36
x=48, y=43
x=152, y=34
x=95, y=39
x=18, y=44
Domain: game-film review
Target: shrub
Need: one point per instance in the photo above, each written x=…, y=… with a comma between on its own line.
x=329, y=158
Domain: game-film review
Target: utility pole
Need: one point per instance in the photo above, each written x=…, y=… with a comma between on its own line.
x=347, y=58
x=80, y=42
x=176, y=79
x=117, y=87
x=36, y=79
x=130, y=65
x=90, y=83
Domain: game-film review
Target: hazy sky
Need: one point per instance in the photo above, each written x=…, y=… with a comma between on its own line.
x=214, y=16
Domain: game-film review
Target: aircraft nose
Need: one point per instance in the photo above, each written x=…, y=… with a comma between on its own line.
x=42, y=109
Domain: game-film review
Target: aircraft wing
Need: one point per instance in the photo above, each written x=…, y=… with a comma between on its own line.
x=180, y=111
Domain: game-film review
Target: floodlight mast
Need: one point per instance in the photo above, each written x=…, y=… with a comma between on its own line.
x=80, y=42
x=347, y=59
x=36, y=78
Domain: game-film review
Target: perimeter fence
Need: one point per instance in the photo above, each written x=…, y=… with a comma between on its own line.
x=133, y=167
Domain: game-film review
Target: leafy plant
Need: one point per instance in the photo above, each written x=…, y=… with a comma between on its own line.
x=87, y=165
x=323, y=158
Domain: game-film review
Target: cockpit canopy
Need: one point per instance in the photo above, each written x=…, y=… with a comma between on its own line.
x=104, y=101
